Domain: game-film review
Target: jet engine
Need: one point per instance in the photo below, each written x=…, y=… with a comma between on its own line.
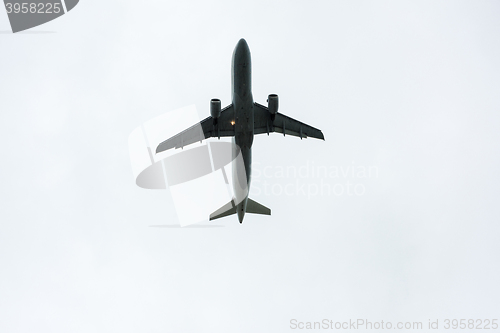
x=272, y=104
x=215, y=109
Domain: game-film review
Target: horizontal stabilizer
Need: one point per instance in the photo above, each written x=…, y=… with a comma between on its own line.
x=226, y=210
x=254, y=207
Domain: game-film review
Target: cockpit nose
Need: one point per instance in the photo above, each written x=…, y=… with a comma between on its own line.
x=242, y=46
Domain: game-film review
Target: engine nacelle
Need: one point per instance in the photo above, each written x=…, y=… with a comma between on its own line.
x=272, y=103
x=215, y=108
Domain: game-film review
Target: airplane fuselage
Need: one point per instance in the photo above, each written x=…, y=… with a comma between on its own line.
x=241, y=81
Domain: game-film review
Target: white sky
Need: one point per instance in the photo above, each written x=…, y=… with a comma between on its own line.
x=409, y=87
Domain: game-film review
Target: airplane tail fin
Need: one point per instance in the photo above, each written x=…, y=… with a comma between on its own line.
x=253, y=207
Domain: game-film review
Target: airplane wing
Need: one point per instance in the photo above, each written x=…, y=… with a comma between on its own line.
x=203, y=130
x=263, y=123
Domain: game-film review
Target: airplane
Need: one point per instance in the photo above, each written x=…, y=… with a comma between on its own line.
x=241, y=120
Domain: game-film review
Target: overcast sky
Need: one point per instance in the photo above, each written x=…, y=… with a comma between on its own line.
x=408, y=90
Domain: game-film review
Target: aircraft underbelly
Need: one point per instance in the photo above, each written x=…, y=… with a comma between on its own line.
x=242, y=149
